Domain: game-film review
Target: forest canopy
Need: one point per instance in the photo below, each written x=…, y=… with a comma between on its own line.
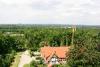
x=84, y=42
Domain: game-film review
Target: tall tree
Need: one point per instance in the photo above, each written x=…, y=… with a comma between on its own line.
x=84, y=52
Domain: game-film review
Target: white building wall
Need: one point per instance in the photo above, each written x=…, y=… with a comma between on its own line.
x=54, y=61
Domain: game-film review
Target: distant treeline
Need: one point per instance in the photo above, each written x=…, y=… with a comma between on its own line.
x=22, y=26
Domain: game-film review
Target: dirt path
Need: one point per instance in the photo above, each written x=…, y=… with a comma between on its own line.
x=25, y=59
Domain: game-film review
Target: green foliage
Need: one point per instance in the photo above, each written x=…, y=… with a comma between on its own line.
x=84, y=53
x=8, y=47
x=39, y=37
x=5, y=60
x=56, y=65
x=35, y=64
x=60, y=65
x=38, y=58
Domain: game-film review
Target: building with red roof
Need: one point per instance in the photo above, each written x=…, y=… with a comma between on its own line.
x=54, y=55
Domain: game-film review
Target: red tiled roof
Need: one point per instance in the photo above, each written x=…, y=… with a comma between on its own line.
x=48, y=52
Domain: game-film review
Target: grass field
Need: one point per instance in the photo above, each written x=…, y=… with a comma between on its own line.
x=16, y=60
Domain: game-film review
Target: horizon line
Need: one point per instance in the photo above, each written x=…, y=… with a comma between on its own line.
x=49, y=24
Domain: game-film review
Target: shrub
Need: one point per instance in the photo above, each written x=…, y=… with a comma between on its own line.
x=55, y=65
x=38, y=58
x=34, y=64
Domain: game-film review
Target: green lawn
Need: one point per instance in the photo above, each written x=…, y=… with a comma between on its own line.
x=26, y=65
x=16, y=60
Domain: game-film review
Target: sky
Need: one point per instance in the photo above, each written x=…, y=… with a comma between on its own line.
x=85, y=12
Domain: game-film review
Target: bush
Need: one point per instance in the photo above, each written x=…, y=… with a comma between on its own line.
x=34, y=64
x=38, y=58
x=6, y=60
x=55, y=65
x=31, y=53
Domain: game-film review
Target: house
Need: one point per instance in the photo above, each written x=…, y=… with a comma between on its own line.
x=54, y=55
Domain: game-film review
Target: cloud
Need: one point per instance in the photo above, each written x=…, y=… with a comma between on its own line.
x=50, y=11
